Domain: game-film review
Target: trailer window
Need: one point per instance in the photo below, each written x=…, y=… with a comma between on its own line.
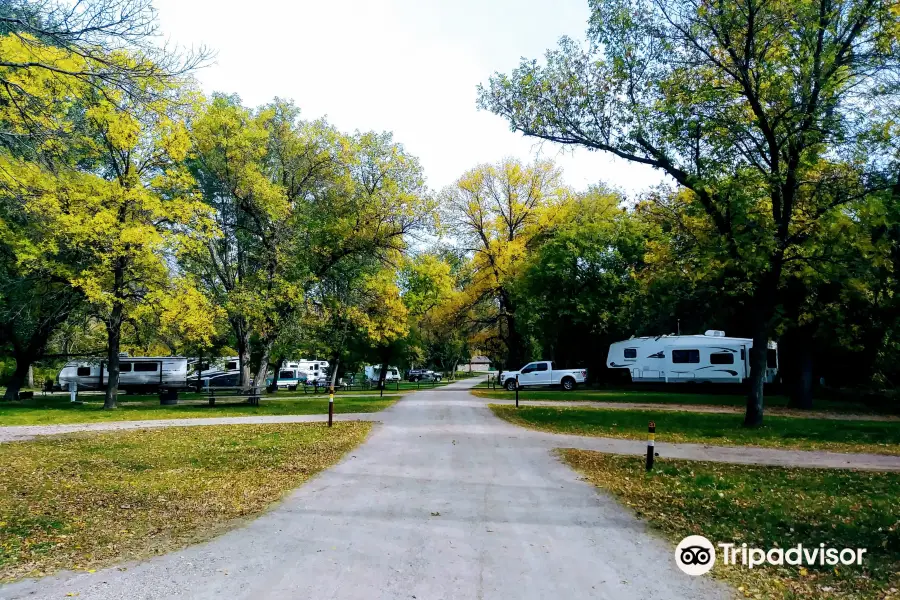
x=231, y=366
x=145, y=367
x=743, y=355
x=124, y=367
x=721, y=358
x=772, y=358
x=541, y=367
x=630, y=352
x=286, y=375
x=685, y=356
x=84, y=371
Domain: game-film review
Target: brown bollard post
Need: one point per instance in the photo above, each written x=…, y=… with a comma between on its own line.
x=517, y=391
x=651, y=437
x=381, y=385
x=330, y=405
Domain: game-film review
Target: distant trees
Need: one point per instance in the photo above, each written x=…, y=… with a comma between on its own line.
x=773, y=115
x=129, y=200
x=497, y=212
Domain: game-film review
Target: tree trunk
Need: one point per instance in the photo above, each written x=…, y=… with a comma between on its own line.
x=242, y=334
x=278, y=364
x=114, y=345
x=18, y=378
x=334, y=370
x=264, y=364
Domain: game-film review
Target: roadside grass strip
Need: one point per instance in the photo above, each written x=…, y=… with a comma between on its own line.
x=678, y=398
x=874, y=437
x=56, y=410
x=83, y=501
x=767, y=508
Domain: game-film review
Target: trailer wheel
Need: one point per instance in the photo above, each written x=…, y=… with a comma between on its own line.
x=510, y=385
x=292, y=388
x=568, y=384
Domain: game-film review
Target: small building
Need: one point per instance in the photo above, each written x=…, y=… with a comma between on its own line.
x=477, y=364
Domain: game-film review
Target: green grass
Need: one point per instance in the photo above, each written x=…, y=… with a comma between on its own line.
x=55, y=409
x=766, y=507
x=85, y=500
x=881, y=437
x=686, y=398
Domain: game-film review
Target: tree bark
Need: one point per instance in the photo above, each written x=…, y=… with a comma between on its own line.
x=278, y=364
x=18, y=378
x=242, y=334
x=260, y=381
x=114, y=335
x=114, y=345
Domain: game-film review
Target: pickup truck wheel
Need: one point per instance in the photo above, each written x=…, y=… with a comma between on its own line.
x=568, y=384
x=510, y=385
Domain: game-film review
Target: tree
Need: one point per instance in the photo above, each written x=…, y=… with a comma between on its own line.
x=496, y=212
x=296, y=200
x=579, y=284
x=764, y=111
x=49, y=46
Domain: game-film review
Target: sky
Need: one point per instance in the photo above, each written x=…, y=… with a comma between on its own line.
x=406, y=66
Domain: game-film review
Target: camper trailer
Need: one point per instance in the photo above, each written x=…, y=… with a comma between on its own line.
x=146, y=374
x=373, y=372
x=708, y=358
x=222, y=372
x=314, y=369
x=289, y=378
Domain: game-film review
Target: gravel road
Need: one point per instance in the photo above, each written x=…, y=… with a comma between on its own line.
x=442, y=501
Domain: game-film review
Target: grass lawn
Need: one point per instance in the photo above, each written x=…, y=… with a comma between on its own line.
x=56, y=409
x=880, y=437
x=766, y=507
x=686, y=398
x=86, y=500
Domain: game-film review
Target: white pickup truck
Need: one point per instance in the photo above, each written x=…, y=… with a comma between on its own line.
x=542, y=373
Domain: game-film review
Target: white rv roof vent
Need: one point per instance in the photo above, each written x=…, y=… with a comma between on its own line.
x=714, y=333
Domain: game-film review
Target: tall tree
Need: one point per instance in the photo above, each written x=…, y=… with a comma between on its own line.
x=496, y=212
x=49, y=46
x=750, y=105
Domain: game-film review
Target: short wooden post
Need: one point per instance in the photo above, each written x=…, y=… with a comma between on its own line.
x=517, y=391
x=330, y=405
x=651, y=438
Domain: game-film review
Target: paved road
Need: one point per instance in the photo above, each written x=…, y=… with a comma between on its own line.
x=464, y=404
x=443, y=501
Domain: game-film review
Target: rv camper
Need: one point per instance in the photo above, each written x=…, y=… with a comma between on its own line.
x=708, y=358
x=373, y=372
x=314, y=369
x=223, y=372
x=146, y=374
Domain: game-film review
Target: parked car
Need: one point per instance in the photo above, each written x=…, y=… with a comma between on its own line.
x=423, y=375
x=542, y=373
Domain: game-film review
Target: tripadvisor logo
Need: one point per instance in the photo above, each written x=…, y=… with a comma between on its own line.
x=696, y=555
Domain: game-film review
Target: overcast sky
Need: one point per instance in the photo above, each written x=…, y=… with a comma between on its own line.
x=406, y=66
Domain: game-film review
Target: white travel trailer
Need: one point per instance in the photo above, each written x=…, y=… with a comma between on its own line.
x=708, y=358
x=136, y=374
x=314, y=369
x=373, y=372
